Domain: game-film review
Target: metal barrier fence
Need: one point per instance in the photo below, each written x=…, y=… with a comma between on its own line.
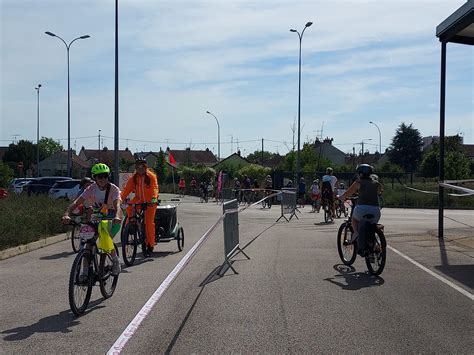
x=288, y=204
x=231, y=234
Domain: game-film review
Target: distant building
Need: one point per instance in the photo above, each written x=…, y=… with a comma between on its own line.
x=192, y=157
x=234, y=161
x=56, y=165
x=150, y=157
x=105, y=156
x=326, y=150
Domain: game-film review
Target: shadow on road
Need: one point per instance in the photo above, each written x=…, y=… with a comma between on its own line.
x=461, y=273
x=351, y=280
x=64, y=254
x=59, y=323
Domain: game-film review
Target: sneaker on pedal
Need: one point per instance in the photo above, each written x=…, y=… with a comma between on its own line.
x=116, y=267
x=150, y=249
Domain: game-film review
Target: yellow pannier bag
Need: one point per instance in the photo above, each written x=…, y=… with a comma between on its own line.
x=105, y=242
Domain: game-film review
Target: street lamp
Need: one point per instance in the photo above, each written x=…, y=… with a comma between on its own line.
x=37, y=130
x=69, y=153
x=218, y=137
x=380, y=137
x=298, y=161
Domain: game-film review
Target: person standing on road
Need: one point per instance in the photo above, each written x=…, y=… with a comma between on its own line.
x=182, y=186
x=301, y=192
x=315, y=196
x=144, y=184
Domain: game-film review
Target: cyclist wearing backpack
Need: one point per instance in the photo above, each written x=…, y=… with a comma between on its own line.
x=368, y=203
x=144, y=184
x=104, y=195
x=328, y=189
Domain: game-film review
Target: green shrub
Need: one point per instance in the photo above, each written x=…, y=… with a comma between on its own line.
x=26, y=219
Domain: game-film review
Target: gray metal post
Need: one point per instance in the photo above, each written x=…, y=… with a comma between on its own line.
x=116, y=133
x=441, y=141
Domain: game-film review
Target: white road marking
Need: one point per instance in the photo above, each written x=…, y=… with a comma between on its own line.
x=434, y=274
x=126, y=335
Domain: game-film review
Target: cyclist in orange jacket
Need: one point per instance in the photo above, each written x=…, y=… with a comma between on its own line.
x=144, y=184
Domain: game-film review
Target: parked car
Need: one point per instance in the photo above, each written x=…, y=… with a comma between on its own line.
x=66, y=189
x=43, y=184
x=19, y=184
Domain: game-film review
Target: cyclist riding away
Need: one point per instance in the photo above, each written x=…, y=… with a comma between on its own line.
x=144, y=184
x=182, y=186
x=193, y=185
x=328, y=190
x=95, y=196
x=368, y=203
x=301, y=192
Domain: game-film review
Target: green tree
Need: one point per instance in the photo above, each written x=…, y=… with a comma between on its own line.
x=254, y=171
x=456, y=164
x=405, y=149
x=256, y=157
x=48, y=147
x=161, y=168
x=24, y=151
x=6, y=173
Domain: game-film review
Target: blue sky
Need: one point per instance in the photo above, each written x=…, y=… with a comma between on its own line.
x=361, y=61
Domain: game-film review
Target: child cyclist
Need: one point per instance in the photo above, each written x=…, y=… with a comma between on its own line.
x=95, y=196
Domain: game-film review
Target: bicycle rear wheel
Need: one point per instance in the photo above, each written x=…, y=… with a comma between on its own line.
x=107, y=281
x=375, y=261
x=80, y=287
x=347, y=250
x=129, y=244
x=326, y=213
x=180, y=239
x=75, y=239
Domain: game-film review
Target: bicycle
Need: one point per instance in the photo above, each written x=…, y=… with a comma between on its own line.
x=341, y=209
x=327, y=211
x=376, y=251
x=267, y=201
x=96, y=263
x=134, y=233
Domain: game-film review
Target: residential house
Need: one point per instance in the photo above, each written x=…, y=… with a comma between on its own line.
x=327, y=150
x=56, y=165
x=150, y=157
x=234, y=162
x=106, y=156
x=192, y=157
x=468, y=150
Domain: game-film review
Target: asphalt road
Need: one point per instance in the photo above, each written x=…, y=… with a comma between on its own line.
x=292, y=296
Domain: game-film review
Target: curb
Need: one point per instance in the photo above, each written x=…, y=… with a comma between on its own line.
x=22, y=249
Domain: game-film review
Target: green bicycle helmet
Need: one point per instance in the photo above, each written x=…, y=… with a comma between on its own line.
x=100, y=168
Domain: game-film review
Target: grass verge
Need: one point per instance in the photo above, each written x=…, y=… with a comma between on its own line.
x=26, y=219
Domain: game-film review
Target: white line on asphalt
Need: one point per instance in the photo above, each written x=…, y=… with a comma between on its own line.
x=434, y=274
x=146, y=309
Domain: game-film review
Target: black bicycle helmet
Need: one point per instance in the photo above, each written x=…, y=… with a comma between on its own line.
x=140, y=160
x=364, y=170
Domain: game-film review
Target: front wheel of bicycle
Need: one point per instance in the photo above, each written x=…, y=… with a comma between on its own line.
x=80, y=282
x=142, y=238
x=107, y=281
x=347, y=250
x=180, y=239
x=75, y=238
x=375, y=261
x=129, y=244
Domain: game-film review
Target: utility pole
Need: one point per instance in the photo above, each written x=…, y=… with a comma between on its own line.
x=99, y=147
x=262, y=151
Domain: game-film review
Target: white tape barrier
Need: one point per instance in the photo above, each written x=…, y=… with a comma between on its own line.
x=146, y=309
x=467, y=192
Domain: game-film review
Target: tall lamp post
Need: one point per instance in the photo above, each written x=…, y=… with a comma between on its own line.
x=69, y=153
x=380, y=137
x=37, y=130
x=298, y=161
x=218, y=137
